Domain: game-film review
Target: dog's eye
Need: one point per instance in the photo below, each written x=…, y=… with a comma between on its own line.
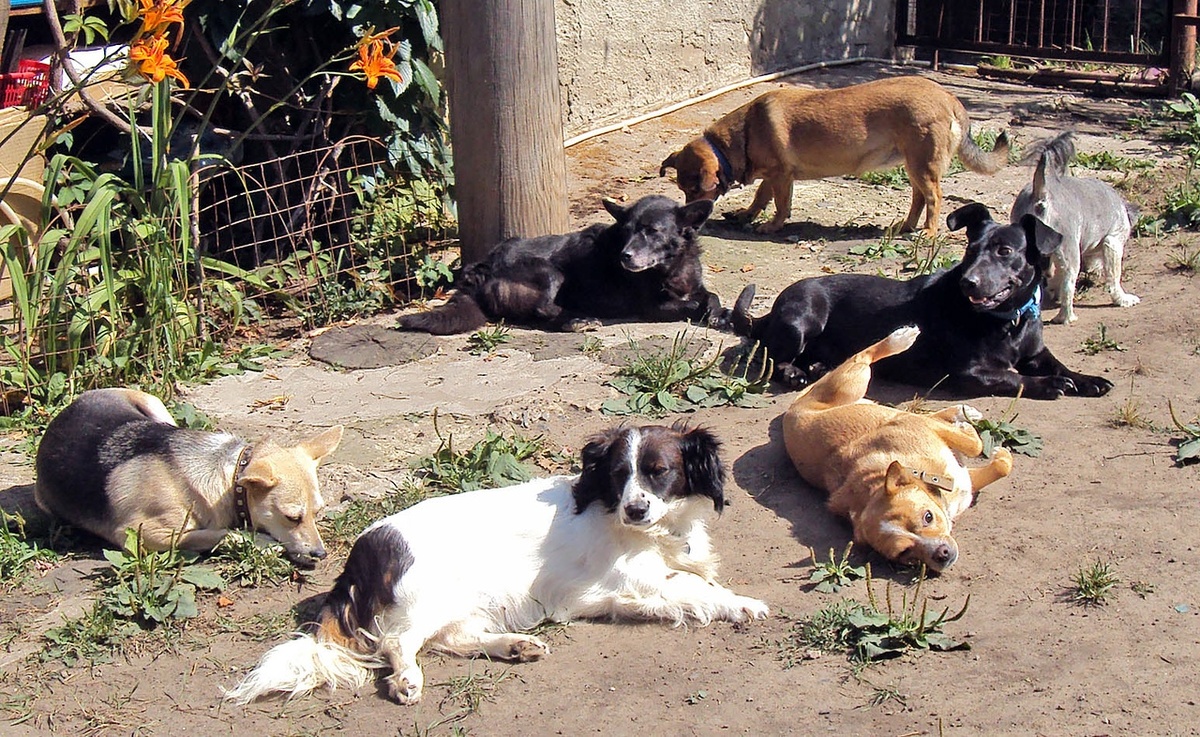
x=1004, y=251
x=658, y=473
x=928, y=517
x=295, y=519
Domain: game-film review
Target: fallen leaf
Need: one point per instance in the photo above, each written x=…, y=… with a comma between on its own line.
x=224, y=601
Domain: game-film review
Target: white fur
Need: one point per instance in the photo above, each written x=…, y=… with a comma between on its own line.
x=488, y=564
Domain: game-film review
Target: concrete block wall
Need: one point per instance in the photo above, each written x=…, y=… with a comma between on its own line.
x=619, y=58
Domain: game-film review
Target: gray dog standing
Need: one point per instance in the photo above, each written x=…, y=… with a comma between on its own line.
x=1092, y=218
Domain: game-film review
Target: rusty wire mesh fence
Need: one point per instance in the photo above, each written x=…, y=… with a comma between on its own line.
x=312, y=237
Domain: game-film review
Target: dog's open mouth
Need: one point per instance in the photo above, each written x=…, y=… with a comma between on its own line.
x=992, y=302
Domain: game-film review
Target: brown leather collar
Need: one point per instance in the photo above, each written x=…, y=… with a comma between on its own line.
x=241, y=501
x=933, y=480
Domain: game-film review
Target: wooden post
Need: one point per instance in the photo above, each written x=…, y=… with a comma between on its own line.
x=1183, y=45
x=505, y=120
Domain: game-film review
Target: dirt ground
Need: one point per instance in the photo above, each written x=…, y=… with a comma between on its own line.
x=1038, y=663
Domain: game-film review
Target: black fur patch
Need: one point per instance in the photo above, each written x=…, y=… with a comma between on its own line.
x=367, y=585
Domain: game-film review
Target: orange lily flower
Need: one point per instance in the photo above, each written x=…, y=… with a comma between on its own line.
x=153, y=61
x=375, y=54
x=156, y=15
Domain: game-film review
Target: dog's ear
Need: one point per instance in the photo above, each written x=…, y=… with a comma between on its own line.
x=898, y=478
x=702, y=465
x=694, y=214
x=975, y=217
x=594, y=483
x=319, y=446
x=973, y=214
x=259, y=476
x=1039, y=237
x=619, y=213
x=667, y=163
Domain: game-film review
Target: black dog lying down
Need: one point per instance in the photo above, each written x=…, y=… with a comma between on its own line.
x=644, y=266
x=981, y=327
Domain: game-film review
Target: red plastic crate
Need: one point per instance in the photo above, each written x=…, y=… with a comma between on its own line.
x=27, y=86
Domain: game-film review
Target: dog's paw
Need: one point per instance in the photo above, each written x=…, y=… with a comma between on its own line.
x=1064, y=318
x=967, y=415
x=751, y=608
x=902, y=339
x=405, y=688
x=582, y=325
x=527, y=648
x=791, y=375
x=1089, y=386
x=1002, y=460
x=1125, y=299
x=771, y=226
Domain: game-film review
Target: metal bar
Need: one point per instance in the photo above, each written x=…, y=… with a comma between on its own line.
x=1042, y=25
x=1104, y=32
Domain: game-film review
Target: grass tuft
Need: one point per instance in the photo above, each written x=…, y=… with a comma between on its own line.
x=1094, y=584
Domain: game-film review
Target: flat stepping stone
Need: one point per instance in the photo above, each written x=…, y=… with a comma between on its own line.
x=371, y=346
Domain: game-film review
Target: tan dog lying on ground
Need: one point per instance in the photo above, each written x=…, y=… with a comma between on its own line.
x=790, y=133
x=897, y=476
x=114, y=460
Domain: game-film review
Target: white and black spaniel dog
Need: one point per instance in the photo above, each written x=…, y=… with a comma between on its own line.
x=467, y=574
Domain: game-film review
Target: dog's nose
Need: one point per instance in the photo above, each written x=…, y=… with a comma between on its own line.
x=318, y=553
x=943, y=555
x=969, y=282
x=636, y=510
x=626, y=259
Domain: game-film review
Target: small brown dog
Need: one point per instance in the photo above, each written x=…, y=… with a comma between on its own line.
x=789, y=134
x=897, y=476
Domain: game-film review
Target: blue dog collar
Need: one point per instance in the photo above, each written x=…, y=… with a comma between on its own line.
x=1033, y=308
x=726, y=168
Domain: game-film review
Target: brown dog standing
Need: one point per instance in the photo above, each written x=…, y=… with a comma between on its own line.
x=790, y=133
x=896, y=475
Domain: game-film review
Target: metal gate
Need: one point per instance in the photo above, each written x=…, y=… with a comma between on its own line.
x=1136, y=32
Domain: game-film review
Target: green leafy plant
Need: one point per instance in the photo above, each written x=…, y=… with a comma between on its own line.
x=1094, y=584
x=17, y=555
x=999, y=61
x=870, y=632
x=152, y=588
x=1108, y=161
x=836, y=573
x=680, y=380
x=242, y=559
x=896, y=177
x=486, y=340
x=889, y=246
x=927, y=255
x=90, y=638
x=1184, y=260
x=1188, y=450
x=1100, y=342
x=1003, y=433
x=494, y=461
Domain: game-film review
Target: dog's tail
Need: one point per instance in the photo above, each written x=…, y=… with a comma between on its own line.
x=745, y=324
x=462, y=313
x=301, y=666
x=980, y=161
x=342, y=652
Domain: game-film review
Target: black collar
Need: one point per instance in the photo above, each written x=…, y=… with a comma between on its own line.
x=241, y=503
x=726, y=168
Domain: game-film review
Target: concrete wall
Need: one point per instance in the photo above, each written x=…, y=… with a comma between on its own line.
x=618, y=58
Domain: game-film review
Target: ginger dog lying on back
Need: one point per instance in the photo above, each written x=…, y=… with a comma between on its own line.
x=790, y=133
x=897, y=476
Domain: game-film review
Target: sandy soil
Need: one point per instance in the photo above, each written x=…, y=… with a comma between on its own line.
x=1038, y=663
